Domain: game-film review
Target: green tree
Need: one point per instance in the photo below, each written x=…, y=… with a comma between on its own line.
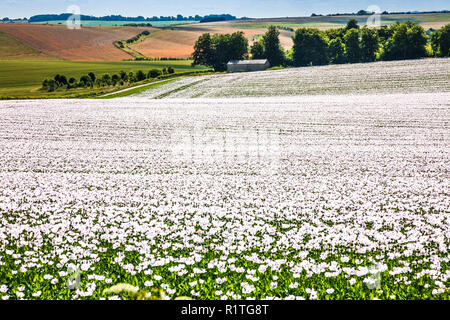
x=215, y=51
x=352, y=24
x=272, y=47
x=115, y=79
x=72, y=83
x=60, y=80
x=170, y=70
x=106, y=79
x=229, y=47
x=440, y=41
x=140, y=76
x=310, y=47
x=352, y=47
x=335, y=33
x=92, y=76
x=85, y=81
x=408, y=41
x=51, y=85
x=204, y=53
x=154, y=73
x=123, y=76
x=384, y=33
x=336, y=51
x=257, y=50
x=369, y=44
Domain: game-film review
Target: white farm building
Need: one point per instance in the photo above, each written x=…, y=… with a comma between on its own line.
x=248, y=65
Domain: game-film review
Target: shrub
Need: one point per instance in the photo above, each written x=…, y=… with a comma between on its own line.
x=131, y=77
x=92, y=76
x=123, y=76
x=85, y=81
x=115, y=79
x=49, y=85
x=60, y=80
x=140, y=75
x=106, y=79
x=154, y=73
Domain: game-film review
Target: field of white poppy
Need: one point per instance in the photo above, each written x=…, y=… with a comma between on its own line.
x=313, y=197
x=413, y=76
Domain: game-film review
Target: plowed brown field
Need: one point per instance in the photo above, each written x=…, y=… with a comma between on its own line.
x=85, y=44
x=179, y=43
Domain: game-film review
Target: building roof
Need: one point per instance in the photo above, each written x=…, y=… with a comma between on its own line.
x=247, y=62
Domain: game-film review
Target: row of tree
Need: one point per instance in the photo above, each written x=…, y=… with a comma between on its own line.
x=350, y=44
x=90, y=80
x=179, y=17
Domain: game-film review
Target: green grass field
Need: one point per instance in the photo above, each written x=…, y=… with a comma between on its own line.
x=120, y=23
x=23, y=78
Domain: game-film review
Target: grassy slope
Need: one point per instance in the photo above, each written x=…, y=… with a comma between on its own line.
x=14, y=49
x=22, y=79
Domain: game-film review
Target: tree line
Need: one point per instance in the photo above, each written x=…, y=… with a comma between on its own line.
x=91, y=80
x=349, y=44
x=179, y=17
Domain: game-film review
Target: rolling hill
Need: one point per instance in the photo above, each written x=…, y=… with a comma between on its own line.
x=13, y=49
x=85, y=44
x=96, y=43
x=178, y=41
